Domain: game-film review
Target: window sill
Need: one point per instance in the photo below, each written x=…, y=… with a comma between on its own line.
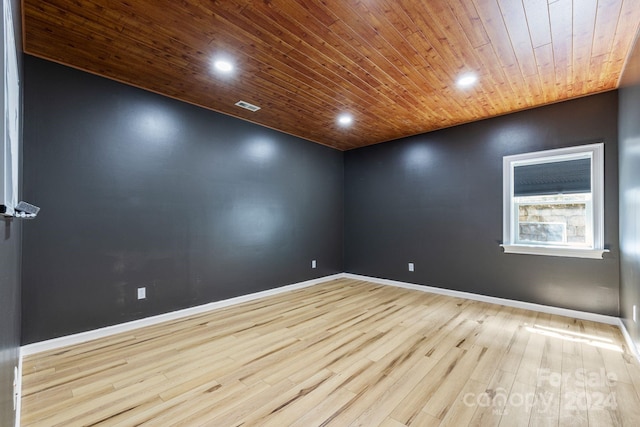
x=553, y=251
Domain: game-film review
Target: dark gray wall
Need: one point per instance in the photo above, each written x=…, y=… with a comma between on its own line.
x=10, y=241
x=9, y=314
x=629, y=128
x=140, y=190
x=436, y=200
x=10, y=232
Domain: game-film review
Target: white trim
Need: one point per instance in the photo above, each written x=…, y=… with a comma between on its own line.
x=554, y=251
x=19, y=404
x=584, y=315
x=593, y=151
x=627, y=337
x=81, y=337
x=129, y=326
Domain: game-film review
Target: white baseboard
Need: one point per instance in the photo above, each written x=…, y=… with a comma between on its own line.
x=81, y=337
x=627, y=337
x=129, y=326
x=601, y=318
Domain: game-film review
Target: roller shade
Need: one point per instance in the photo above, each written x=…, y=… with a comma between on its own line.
x=569, y=176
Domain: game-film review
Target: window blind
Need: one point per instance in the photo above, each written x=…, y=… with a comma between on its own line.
x=564, y=177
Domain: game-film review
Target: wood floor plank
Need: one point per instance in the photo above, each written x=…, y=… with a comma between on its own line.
x=627, y=407
x=572, y=412
x=464, y=405
x=213, y=399
x=381, y=409
x=492, y=404
x=439, y=404
x=274, y=410
x=412, y=405
x=519, y=405
x=317, y=415
x=344, y=352
x=296, y=407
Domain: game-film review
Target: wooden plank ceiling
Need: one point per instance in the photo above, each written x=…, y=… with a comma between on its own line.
x=391, y=64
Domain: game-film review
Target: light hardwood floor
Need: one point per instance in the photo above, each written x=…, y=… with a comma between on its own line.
x=343, y=353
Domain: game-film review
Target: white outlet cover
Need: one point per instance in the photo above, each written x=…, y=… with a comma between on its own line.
x=411, y=268
x=142, y=293
x=313, y=263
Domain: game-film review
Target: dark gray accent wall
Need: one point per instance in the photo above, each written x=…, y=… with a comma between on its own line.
x=10, y=255
x=139, y=190
x=9, y=314
x=436, y=200
x=629, y=128
x=10, y=232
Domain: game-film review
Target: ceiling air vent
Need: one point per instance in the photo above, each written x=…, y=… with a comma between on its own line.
x=247, y=106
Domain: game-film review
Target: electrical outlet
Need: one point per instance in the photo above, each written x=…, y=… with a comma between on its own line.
x=411, y=268
x=142, y=293
x=313, y=263
x=635, y=313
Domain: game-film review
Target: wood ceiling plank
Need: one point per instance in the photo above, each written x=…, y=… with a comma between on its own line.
x=438, y=25
x=494, y=25
x=294, y=57
x=321, y=60
x=561, y=20
x=488, y=71
x=597, y=67
x=89, y=20
x=470, y=22
x=89, y=9
x=606, y=23
x=412, y=75
x=393, y=64
x=278, y=62
x=155, y=29
x=544, y=60
x=498, y=85
x=425, y=58
x=432, y=30
x=376, y=75
x=389, y=58
x=406, y=56
x=516, y=22
x=537, y=13
x=420, y=80
x=535, y=91
x=584, y=19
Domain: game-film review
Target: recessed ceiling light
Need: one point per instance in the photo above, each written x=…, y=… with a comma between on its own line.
x=223, y=65
x=345, y=119
x=467, y=80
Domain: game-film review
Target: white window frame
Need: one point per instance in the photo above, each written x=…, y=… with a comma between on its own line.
x=596, y=153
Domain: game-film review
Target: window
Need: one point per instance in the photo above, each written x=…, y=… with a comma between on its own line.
x=554, y=202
